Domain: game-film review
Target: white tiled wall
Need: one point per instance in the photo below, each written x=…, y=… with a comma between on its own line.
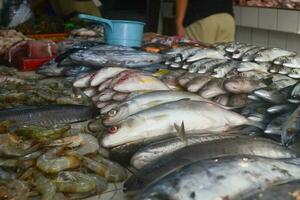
x=268, y=27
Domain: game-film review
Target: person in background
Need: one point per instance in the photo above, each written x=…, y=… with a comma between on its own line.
x=209, y=21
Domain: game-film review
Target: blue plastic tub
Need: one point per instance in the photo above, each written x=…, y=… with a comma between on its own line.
x=119, y=32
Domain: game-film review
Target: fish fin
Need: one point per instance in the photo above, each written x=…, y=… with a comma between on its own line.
x=180, y=132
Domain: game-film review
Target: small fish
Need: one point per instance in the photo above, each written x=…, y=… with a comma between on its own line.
x=294, y=73
x=209, y=66
x=194, y=67
x=285, y=70
x=270, y=54
x=280, y=60
x=186, y=53
x=240, y=52
x=291, y=128
x=224, y=69
x=270, y=95
x=252, y=66
x=234, y=46
x=292, y=62
x=84, y=81
x=275, y=68
x=278, y=109
x=205, y=53
x=241, y=85
x=275, y=126
x=249, y=55
x=198, y=83
x=104, y=74
x=295, y=92
x=106, y=95
x=212, y=89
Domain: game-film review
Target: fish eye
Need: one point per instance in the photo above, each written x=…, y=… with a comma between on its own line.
x=112, y=113
x=113, y=129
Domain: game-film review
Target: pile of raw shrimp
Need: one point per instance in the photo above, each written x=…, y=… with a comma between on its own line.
x=53, y=163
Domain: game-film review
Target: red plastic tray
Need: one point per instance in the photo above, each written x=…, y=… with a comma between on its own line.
x=31, y=64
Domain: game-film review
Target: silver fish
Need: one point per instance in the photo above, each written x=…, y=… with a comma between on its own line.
x=209, y=66
x=275, y=68
x=249, y=55
x=186, y=53
x=291, y=128
x=240, y=85
x=163, y=117
x=209, y=178
x=234, y=46
x=270, y=54
x=294, y=73
x=277, y=109
x=194, y=67
x=224, y=69
x=285, y=70
x=275, y=126
x=205, y=53
x=240, y=52
x=212, y=89
x=186, y=78
x=197, y=83
x=271, y=95
x=280, y=60
x=292, y=62
x=252, y=66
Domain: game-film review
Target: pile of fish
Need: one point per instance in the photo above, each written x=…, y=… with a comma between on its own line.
x=50, y=162
x=290, y=4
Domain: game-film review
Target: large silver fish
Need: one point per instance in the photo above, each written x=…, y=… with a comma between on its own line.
x=198, y=117
x=221, y=178
x=268, y=55
x=233, y=145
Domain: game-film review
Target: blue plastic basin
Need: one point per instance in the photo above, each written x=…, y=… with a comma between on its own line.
x=119, y=32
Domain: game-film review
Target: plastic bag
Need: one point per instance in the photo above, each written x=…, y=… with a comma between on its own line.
x=17, y=12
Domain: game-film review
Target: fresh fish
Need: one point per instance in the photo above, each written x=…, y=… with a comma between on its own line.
x=52, y=69
x=194, y=67
x=224, y=69
x=106, y=95
x=252, y=66
x=254, y=98
x=282, y=81
x=253, y=75
x=186, y=78
x=292, y=62
x=275, y=126
x=277, y=109
x=209, y=178
x=249, y=55
x=270, y=54
x=137, y=82
x=291, y=128
x=154, y=151
x=295, y=92
x=205, y=53
x=241, y=85
x=240, y=52
x=294, y=73
x=275, y=68
x=176, y=65
x=186, y=53
x=234, y=46
x=84, y=81
x=104, y=74
x=104, y=85
x=112, y=105
x=102, y=104
x=212, y=89
x=238, y=100
x=197, y=83
x=270, y=95
x=176, y=51
x=254, y=108
x=49, y=115
x=209, y=66
x=280, y=60
x=120, y=96
x=285, y=70
x=185, y=65
x=286, y=191
x=99, y=58
x=75, y=70
x=146, y=101
x=161, y=120
x=222, y=99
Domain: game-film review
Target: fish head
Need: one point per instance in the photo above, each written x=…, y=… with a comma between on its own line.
x=260, y=57
x=233, y=84
x=116, y=115
x=125, y=131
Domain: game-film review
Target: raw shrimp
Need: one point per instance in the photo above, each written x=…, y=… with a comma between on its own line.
x=12, y=145
x=86, y=144
x=46, y=187
x=50, y=162
x=113, y=172
x=74, y=182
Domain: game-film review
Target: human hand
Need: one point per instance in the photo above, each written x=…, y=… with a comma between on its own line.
x=180, y=30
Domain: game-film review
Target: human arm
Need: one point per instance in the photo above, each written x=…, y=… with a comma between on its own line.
x=181, y=6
